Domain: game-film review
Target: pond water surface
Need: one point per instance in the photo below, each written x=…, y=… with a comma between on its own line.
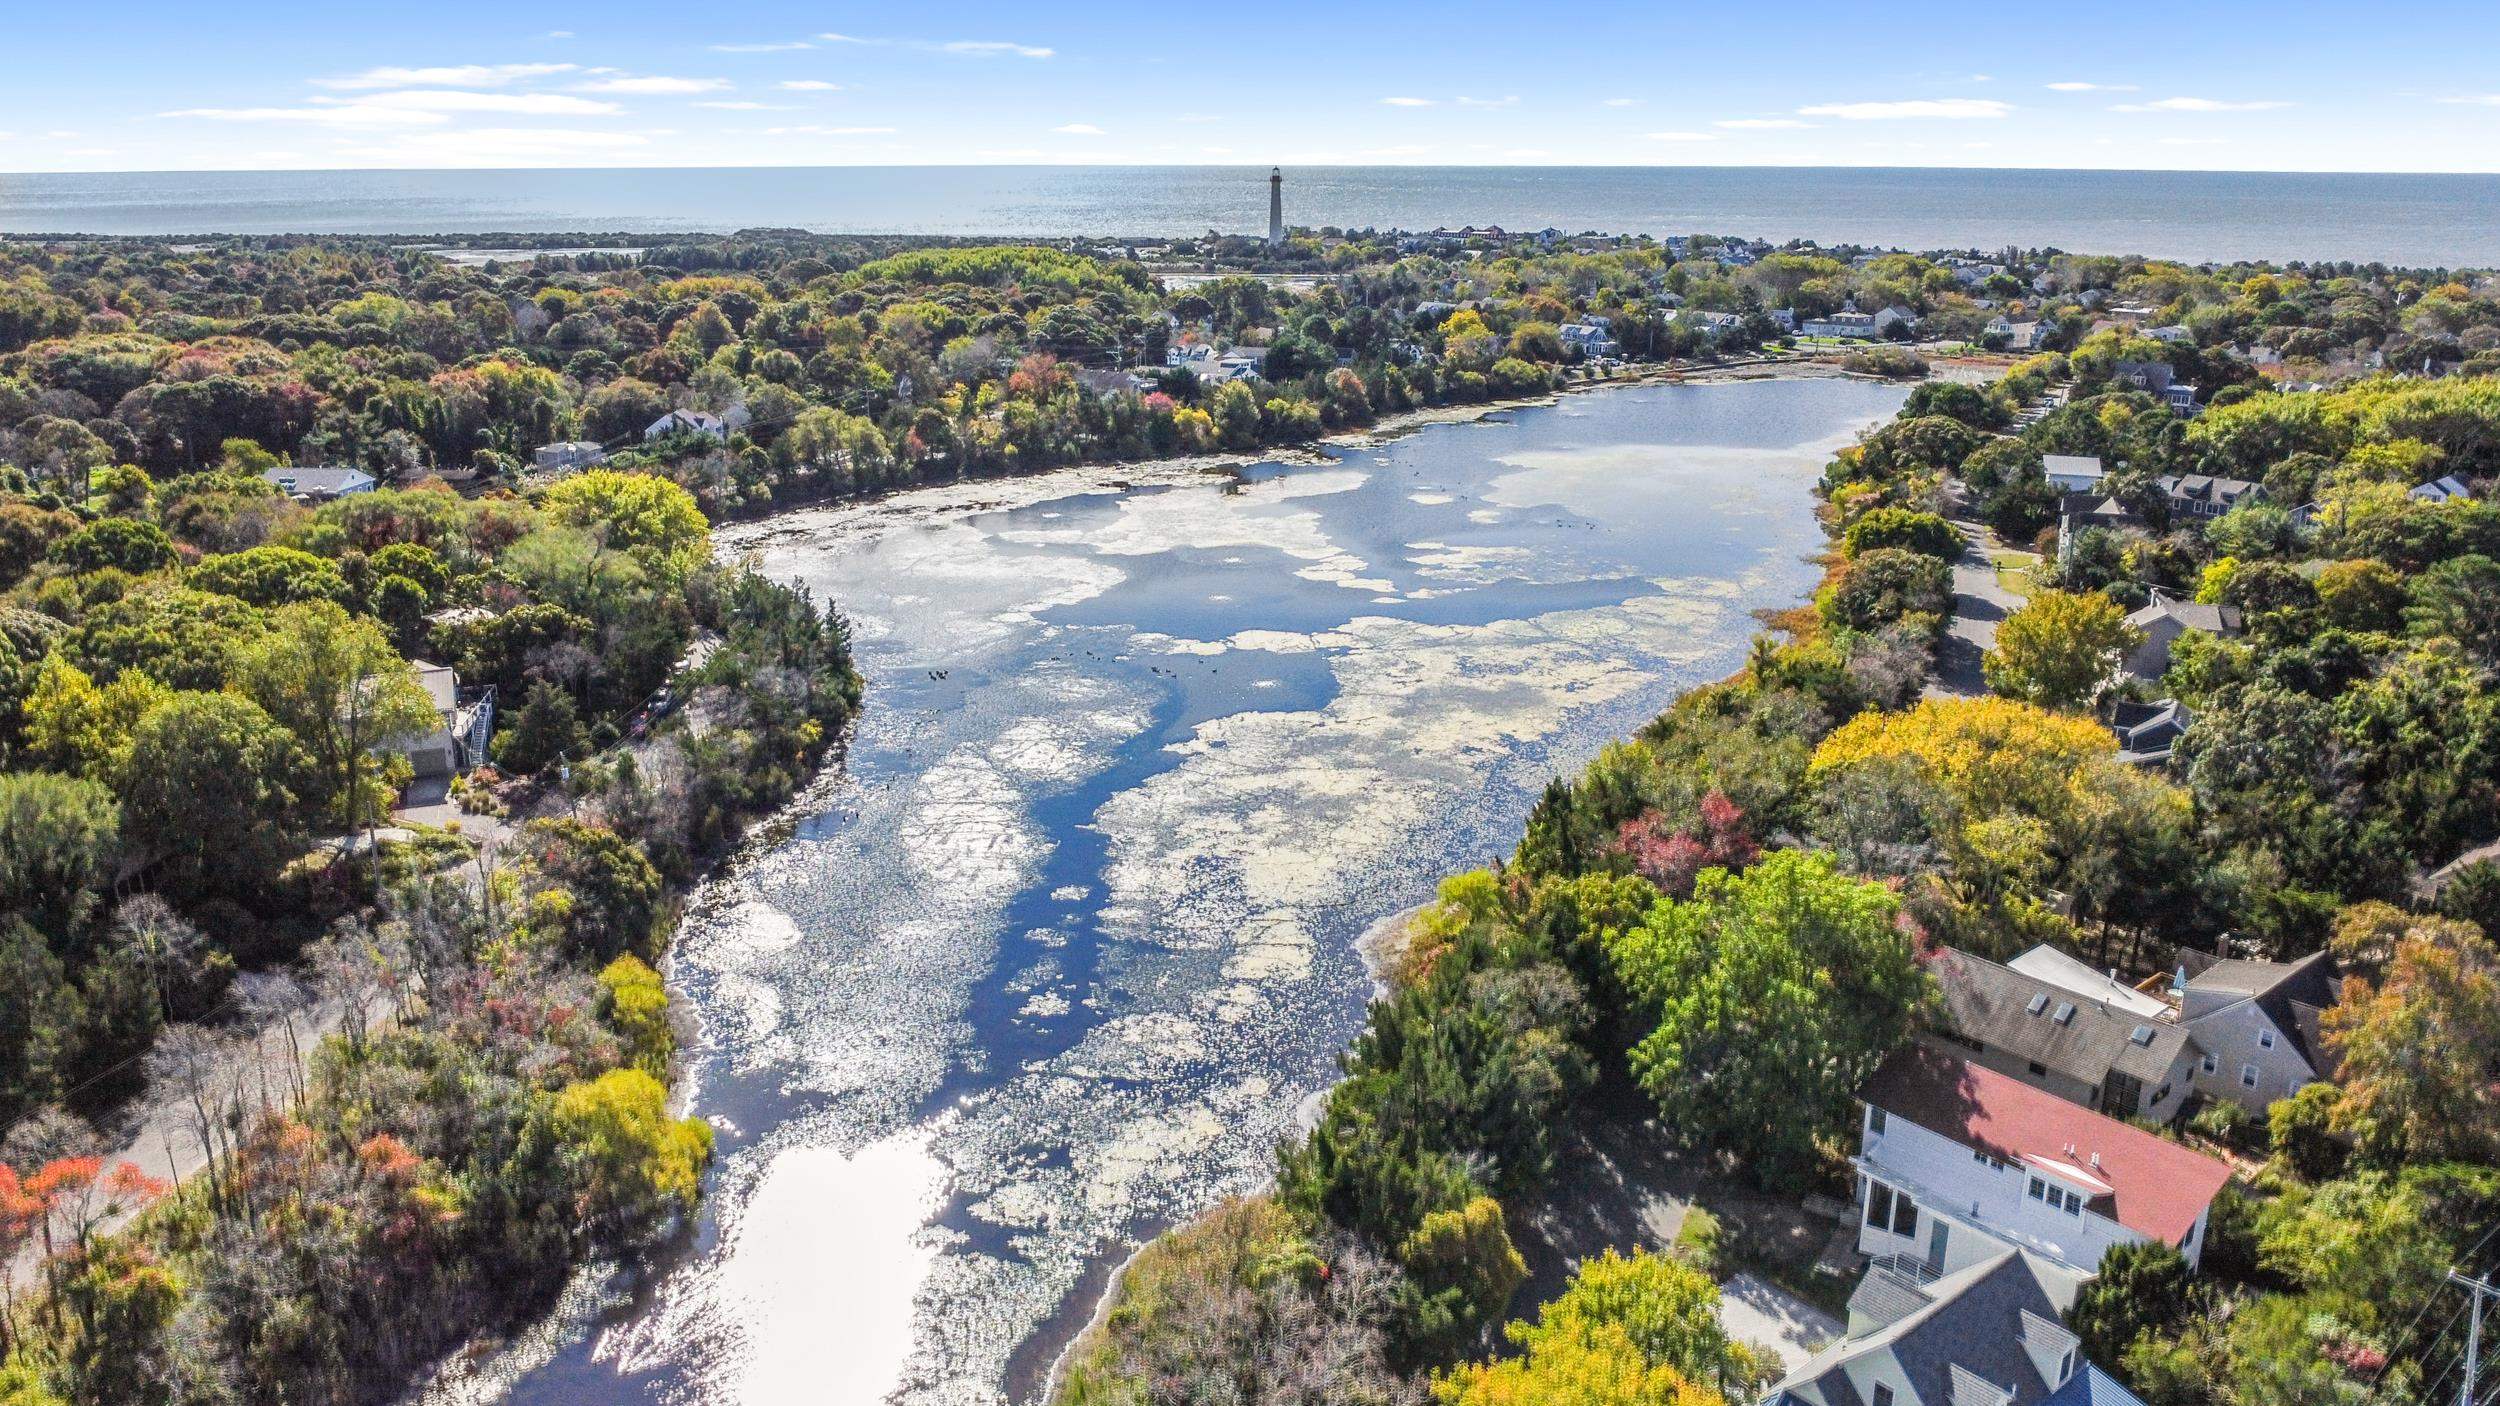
x=1064, y=949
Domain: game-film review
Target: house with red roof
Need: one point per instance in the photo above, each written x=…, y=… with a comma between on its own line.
x=1958, y=1163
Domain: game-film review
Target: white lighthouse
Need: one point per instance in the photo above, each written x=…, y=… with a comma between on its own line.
x=1275, y=207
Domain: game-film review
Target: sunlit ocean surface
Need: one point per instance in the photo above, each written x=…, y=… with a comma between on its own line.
x=2444, y=220
x=1057, y=959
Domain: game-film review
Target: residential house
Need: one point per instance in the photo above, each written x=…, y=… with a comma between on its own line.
x=1110, y=382
x=2073, y=473
x=2020, y=336
x=2180, y=397
x=1895, y=316
x=1785, y=319
x=2167, y=618
x=568, y=454
x=465, y=720
x=2108, y=1054
x=1592, y=338
x=687, y=422
x=314, y=485
x=2148, y=733
x=2150, y=377
x=1958, y=1163
x=1985, y=1335
x=2256, y=1027
x=2206, y=496
x=2172, y=333
x=1846, y=323
x=2448, y=489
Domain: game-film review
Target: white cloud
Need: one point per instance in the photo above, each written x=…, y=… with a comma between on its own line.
x=1526, y=153
x=993, y=48
x=1763, y=124
x=559, y=34
x=1954, y=108
x=965, y=48
x=1623, y=102
x=813, y=130
x=1397, y=151
x=760, y=48
x=2199, y=105
x=1681, y=136
x=1198, y=119
x=2075, y=87
x=1078, y=129
x=466, y=100
x=343, y=115
x=809, y=85
x=500, y=146
x=2191, y=141
x=656, y=84
x=1510, y=101
x=2475, y=100
x=469, y=75
x=1215, y=151
x=741, y=105
x=1406, y=102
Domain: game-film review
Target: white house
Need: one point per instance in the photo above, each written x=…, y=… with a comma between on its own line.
x=314, y=484
x=1958, y=1163
x=1847, y=323
x=2073, y=473
x=2449, y=489
x=2256, y=1025
x=1985, y=1335
x=687, y=422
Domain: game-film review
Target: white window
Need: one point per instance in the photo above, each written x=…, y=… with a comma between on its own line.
x=2248, y=1076
x=2265, y=1039
x=1883, y=1395
x=2074, y=1204
x=2212, y=1065
x=2039, y=1189
x=1875, y=1120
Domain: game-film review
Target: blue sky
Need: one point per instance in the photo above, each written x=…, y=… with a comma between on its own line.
x=457, y=83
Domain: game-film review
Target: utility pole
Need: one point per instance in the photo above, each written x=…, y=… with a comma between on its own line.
x=2481, y=1290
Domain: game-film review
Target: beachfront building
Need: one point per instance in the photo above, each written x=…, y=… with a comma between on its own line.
x=1958, y=1163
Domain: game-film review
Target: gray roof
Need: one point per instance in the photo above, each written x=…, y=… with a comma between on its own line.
x=1887, y=1297
x=1995, y=1005
x=2212, y=619
x=2292, y=994
x=1974, y=1321
x=316, y=480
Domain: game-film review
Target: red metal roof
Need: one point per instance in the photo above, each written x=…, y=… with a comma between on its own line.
x=2158, y=1187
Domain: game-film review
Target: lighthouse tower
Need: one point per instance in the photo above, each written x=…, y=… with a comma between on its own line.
x=1275, y=208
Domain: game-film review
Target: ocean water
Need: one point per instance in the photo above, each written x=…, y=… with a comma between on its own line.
x=1056, y=958
x=2435, y=220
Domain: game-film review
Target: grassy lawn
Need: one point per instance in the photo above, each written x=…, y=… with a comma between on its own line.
x=2014, y=572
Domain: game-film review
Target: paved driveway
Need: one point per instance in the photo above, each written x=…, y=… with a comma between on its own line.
x=1979, y=602
x=1760, y=1314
